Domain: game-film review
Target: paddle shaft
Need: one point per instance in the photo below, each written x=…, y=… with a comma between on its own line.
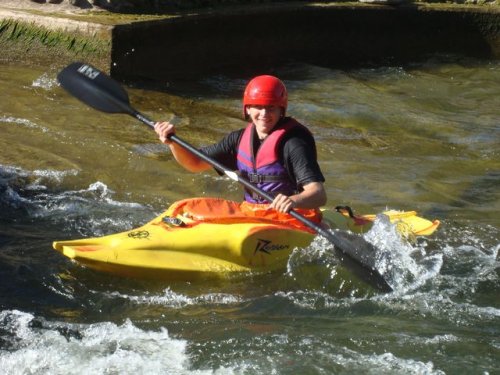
x=127, y=108
x=101, y=92
x=115, y=97
x=339, y=242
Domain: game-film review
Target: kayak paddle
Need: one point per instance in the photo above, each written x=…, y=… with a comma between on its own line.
x=101, y=92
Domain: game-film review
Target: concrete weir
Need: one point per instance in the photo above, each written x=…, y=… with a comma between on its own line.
x=253, y=39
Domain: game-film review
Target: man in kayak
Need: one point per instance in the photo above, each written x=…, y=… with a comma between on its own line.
x=274, y=152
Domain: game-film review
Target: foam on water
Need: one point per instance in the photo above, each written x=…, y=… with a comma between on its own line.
x=297, y=353
x=386, y=363
x=37, y=346
x=46, y=81
x=469, y=267
x=176, y=300
x=91, y=211
x=313, y=300
x=23, y=122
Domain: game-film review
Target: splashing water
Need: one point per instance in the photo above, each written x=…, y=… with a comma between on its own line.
x=406, y=266
x=46, y=81
x=40, y=346
x=37, y=194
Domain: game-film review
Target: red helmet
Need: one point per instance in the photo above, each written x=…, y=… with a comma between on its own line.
x=265, y=90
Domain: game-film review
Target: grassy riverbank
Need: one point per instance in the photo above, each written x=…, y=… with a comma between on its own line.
x=29, y=42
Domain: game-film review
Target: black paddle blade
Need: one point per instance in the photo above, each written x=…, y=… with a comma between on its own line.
x=354, y=252
x=94, y=88
x=360, y=257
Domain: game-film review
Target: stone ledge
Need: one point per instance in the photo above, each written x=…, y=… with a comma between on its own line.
x=163, y=47
x=54, y=22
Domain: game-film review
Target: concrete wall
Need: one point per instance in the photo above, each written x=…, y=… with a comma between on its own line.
x=335, y=36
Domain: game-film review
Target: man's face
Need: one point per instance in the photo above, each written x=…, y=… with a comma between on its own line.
x=264, y=117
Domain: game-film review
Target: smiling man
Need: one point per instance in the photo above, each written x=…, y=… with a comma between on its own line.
x=275, y=152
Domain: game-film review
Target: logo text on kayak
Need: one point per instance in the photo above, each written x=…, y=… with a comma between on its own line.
x=267, y=246
x=139, y=234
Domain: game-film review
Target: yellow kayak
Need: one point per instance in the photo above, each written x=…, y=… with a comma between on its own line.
x=179, y=244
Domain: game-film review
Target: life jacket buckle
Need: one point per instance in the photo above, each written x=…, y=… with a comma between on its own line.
x=255, y=178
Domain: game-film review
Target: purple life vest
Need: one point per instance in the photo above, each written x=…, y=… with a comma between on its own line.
x=264, y=170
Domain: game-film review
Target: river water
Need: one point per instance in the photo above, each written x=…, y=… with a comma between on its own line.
x=424, y=136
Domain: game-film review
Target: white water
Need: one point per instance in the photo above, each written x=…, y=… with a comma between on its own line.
x=41, y=347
